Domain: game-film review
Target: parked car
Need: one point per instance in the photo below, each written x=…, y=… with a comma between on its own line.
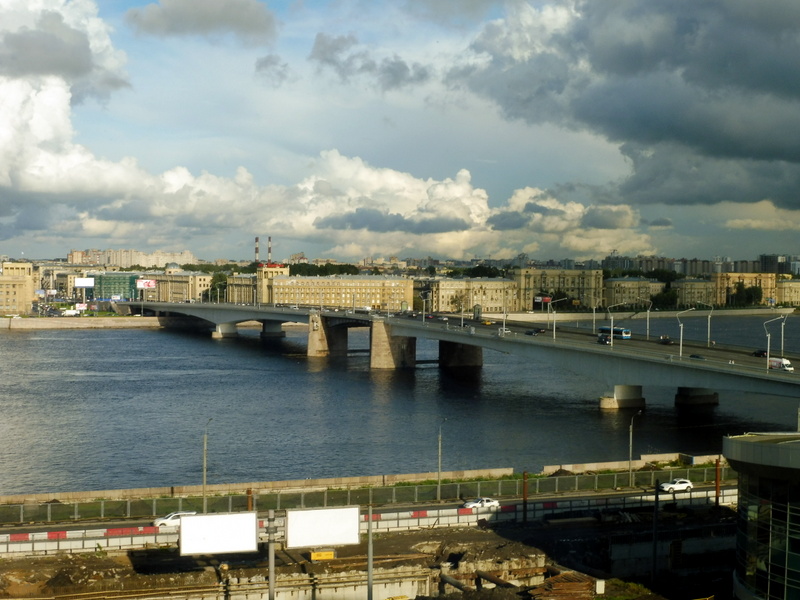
x=482, y=503
x=676, y=485
x=760, y=353
x=172, y=519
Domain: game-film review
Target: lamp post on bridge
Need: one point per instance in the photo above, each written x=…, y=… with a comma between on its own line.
x=611, y=318
x=708, y=334
x=680, y=326
x=768, y=336
x=550, y=308
x=649, y=306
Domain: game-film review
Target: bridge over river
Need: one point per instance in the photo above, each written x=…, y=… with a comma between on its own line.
x=627, y=365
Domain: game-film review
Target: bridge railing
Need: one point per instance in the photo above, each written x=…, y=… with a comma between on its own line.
x=51, y=512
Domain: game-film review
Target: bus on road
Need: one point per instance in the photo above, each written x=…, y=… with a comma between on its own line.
x=620, y=333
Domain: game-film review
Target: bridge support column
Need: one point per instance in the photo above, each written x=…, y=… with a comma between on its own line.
x=453, y=354
x=691, y=396
x=324, y=340
x=625, y=396
x=390, y=352
x=225, y=330
x=272, y=329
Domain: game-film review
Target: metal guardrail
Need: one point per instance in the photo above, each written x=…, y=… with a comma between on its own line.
x=58, y=512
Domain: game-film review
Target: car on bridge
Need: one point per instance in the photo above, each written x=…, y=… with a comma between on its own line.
x=760, y=353
x=481, y=503
x=172, y=519
x=676, y=485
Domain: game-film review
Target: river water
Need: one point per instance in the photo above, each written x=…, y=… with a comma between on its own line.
x=108, y=409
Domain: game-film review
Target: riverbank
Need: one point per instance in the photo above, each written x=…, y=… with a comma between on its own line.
x=22, y=323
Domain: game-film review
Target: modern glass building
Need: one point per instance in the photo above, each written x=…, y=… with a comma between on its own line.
x=768, y=533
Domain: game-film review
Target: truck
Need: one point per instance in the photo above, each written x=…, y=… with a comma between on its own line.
x=781, y=364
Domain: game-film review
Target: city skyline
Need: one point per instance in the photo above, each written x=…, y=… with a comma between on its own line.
x=450, y=129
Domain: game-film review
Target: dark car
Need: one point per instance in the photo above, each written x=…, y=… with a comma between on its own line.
x=697, y=357
x=531, y=332
x=604, y=339
x=759, y=353
x=665, y=339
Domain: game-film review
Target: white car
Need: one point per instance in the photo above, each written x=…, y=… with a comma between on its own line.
x=676, y=485
x=172, y=519
x=482, y=503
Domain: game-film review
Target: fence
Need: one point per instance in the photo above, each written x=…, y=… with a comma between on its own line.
x=49, y=512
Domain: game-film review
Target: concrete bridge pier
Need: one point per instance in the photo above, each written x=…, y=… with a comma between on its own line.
x=695, y=396
x=625, y=396
x=271, y=330
x=390, y=352
x=453, y=354
x=225, y=330
x=324, y=340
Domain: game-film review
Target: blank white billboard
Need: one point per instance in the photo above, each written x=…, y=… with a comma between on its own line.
x=84, y=282
x=219, y=533
x=322, y=527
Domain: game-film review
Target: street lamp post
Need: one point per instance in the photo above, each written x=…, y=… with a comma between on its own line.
x=611, y=318
x=439, y=467
x=680, y=326
x=630, y=449
x=708, y=334
x=783, y=324
x=205, y=463
x=550, y=308
x=768, y=336
x=649, y=306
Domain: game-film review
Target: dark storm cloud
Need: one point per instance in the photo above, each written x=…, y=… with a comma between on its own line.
x=607, y=217
x=711, y=88
x=51, y=49
x=54, y=48
x=249, y=21
x=545, y=211
x=273, y=69
x=660, y=222
x=380, y=222
x=507, y=221
x=342, y=55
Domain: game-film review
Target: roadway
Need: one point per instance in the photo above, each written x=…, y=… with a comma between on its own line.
x=577, y=498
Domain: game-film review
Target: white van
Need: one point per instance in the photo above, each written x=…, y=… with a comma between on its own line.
x=781, y=364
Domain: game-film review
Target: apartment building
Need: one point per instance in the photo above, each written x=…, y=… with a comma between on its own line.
x=355, y=291
x=18, y=284
x=631, y=291
x=584, y=285
x=492, y=295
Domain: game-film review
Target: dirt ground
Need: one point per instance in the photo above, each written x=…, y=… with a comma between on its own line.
x=72, y=573
x=69, y=574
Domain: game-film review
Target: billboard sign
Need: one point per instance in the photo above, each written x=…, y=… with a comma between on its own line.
x=145, y=284
x=84, y=282
x=322, y=527
x=218, y=533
